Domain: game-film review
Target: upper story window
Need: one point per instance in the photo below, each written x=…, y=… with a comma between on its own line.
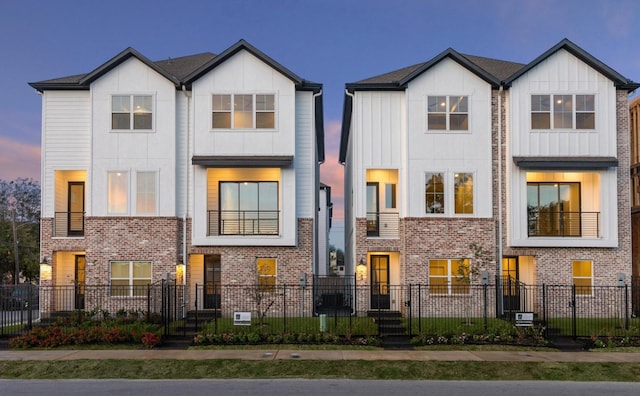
x=249, y=208
x=117, y=192
x=553, y=209
x=243, y=111
x=448, y=113
x=146, y=193
x=563, y=112
x=437, y=194
x=132, y=112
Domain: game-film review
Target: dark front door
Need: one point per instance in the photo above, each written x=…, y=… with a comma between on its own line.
x=81, y=262
x=212, y=281
x=380, y=282
x=75, y=210
x=510, y=285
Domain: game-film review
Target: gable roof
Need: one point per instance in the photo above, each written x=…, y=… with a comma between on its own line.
x=619, y=81
x=496, y=72
x=183, y=71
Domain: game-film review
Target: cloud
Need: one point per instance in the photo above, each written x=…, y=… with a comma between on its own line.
x=18, y=160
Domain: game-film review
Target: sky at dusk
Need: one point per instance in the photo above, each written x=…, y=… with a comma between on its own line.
x=330, y=41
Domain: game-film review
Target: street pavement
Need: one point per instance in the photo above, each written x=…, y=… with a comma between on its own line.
x=284, y=354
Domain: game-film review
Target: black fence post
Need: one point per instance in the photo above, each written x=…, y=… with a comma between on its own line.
x=419, y=308
x=284, y=305
x=148, y=301
x=410, y=311
x=573, y=311
x=626, y=307
x=484, y=287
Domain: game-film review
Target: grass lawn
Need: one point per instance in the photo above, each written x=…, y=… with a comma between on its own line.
x=383, y=370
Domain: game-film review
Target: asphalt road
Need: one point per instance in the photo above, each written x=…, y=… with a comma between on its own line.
x=313, y=387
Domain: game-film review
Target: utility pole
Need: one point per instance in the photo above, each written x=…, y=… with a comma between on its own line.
x=16, y=274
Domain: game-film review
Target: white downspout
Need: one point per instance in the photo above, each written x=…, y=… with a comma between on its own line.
x=500, y=203
x=186, y=183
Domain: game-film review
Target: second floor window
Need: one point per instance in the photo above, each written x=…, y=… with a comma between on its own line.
x=249, y=208
x=554, y=209
x=146, y=202
x=448, y=113
x=131, y=112
x=243, y=111
x=563, y=112
x=117, y=192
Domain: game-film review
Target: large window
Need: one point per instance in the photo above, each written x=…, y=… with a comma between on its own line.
x=249, y=208
x=583, y=277
x=130, y=278
x=448, y=113
x=247, y=111
x=132, y=112
x=117, y=192
x=463, y=193
x=434, y=193
x=146, y=202
x=554, y=208
x=563, y=112
x=449, y=276
x=266, y=269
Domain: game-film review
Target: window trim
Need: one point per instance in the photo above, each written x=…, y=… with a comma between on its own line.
x=574, y=111
x=448, y=114
x=132, y=112
x=130, y=278
x=254, y=111
x=590, y=278
x=268, y=287
x=449, y=277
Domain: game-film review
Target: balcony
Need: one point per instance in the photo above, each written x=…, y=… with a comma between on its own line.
x=68, y=224
x=243, y=222
x=563, y=224
x=383, y=224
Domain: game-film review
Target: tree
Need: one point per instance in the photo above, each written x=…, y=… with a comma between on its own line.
x=470, y=270
x=19, y=217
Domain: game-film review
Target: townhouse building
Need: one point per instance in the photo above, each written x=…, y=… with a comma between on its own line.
x=464, y=169
x=202, y=169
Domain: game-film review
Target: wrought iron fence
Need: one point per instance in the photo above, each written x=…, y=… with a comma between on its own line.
x=337, y=305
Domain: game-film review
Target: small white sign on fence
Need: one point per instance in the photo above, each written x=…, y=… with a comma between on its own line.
x=242, y=318
x=524, y=319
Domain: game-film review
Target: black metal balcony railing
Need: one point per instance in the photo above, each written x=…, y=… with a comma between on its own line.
x=243, y=222
x=383, y=224
x=68, y=224
x=563, y=224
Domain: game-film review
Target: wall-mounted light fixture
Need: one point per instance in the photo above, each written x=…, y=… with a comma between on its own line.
x=180, y=274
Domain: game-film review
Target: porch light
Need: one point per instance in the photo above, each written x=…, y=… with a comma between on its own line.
x=361, y=270
x=180, y=271
x=45, y=269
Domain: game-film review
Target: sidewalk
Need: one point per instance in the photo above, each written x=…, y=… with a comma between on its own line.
x=276, y=354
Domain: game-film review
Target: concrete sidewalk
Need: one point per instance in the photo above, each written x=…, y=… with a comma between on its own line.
x=277, y=354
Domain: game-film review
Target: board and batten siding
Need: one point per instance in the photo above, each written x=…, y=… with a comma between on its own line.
x=449, y=151
x=304, y=160
x=563, y=73
x=66, y=139
x=133, y=151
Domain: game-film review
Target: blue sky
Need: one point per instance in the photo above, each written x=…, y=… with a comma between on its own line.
x=328, y=41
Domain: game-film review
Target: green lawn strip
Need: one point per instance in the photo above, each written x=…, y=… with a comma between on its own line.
x=383, y=370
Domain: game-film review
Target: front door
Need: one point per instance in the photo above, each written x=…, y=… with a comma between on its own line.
x=81, y=262
x=510, y=285
x=380, y=282
x=75, y=215
x=212, y=283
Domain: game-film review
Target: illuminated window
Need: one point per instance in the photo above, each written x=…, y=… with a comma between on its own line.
x=463, y=193
x=132, y=112
x=266, y=270
x=450, y=276
x=563, y=112
x=146, y=201
x=117, y=192
x=249, y=208
x=448, y=113
x=434, y=193
x=583, y=277
x=130, y=278
x=246, y=111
